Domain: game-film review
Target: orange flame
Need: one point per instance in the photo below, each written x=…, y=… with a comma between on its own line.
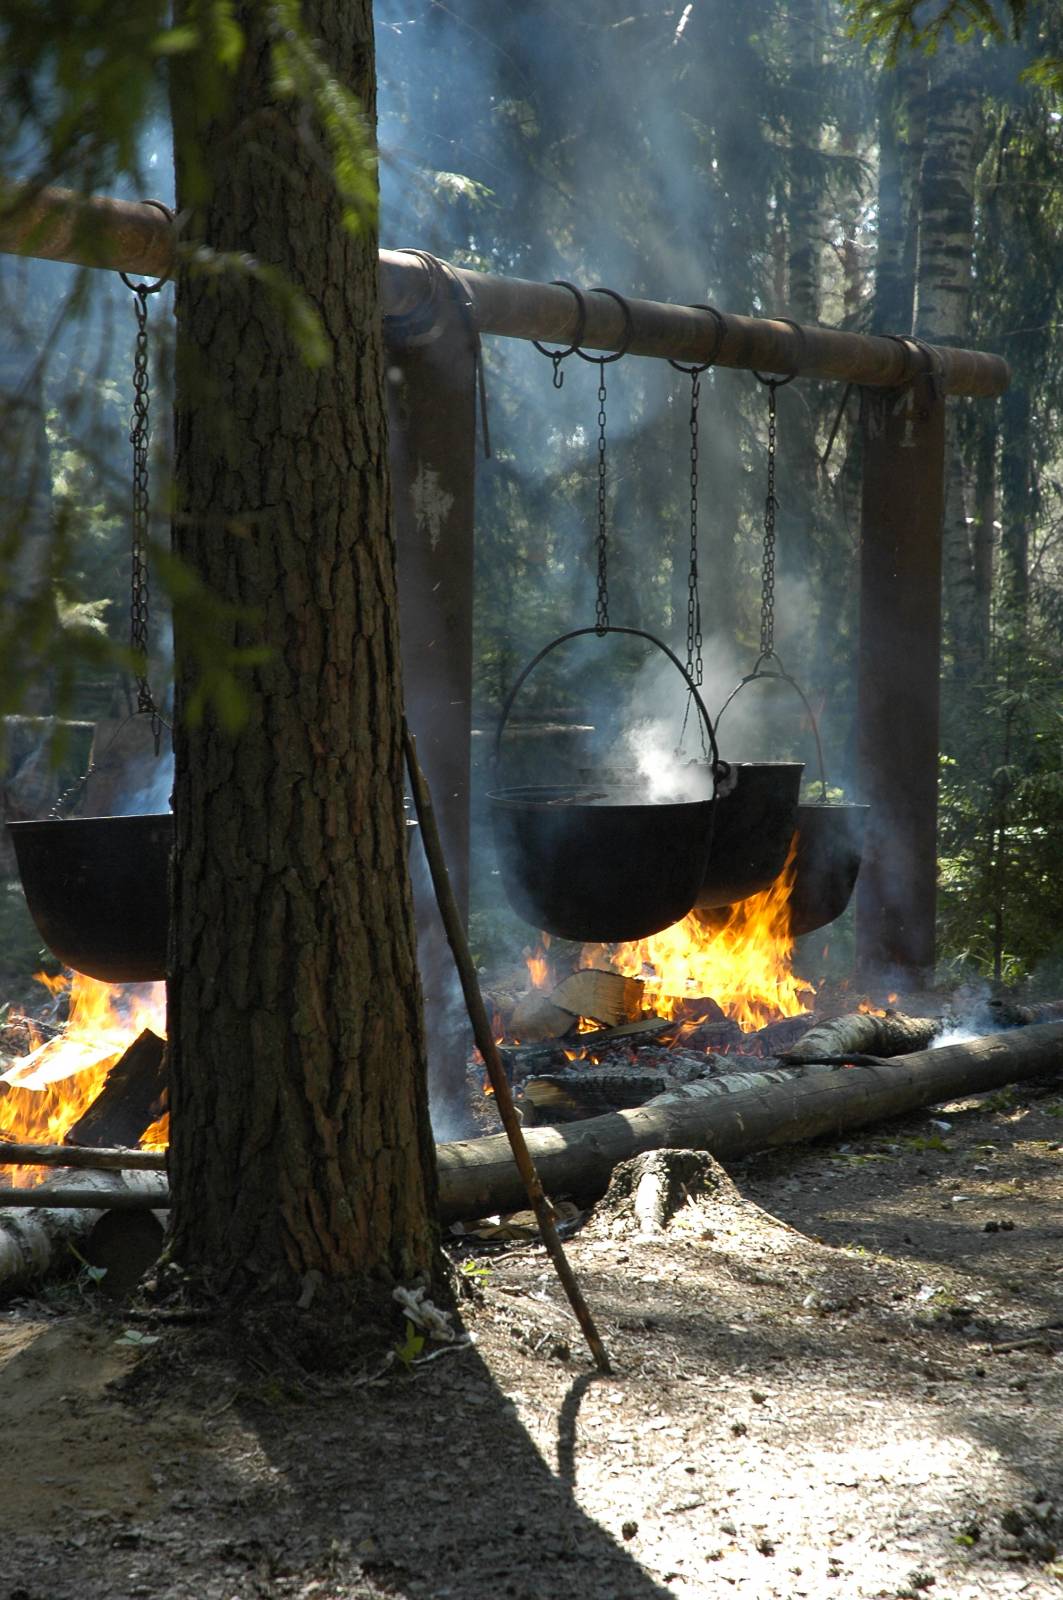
x=538, y=965
x=44, y=1093
x=743, y=961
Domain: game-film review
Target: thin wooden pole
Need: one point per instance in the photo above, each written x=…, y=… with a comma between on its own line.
x=481, y=1027
x=99, y=1157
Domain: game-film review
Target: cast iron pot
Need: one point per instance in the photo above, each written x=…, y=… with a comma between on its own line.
x=754, y=825
x=593, y=862
x=830, y=845
x=97, y=889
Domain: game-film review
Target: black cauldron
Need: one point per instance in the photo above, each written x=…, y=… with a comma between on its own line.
x=598, y=862
x=97, y=889
x=754, y=825
x=830, y=846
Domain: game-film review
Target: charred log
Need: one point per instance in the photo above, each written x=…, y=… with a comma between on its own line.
x=133, y=1097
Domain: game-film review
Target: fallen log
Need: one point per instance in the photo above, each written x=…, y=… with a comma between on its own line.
x=739, y=1113
x=888, y=1035
x=730, y=1116
x=36, y=1243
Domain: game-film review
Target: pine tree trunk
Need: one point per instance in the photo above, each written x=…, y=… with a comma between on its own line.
x=300, y=1139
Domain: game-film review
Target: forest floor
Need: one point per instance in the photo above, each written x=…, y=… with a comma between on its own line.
x=840, y=1376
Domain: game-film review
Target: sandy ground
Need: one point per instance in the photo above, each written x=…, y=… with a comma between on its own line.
x=838, y=1376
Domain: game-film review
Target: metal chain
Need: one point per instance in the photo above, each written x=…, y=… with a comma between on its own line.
x=695, y=666
x=601, y=610
x=139, y=435
x=767, y=580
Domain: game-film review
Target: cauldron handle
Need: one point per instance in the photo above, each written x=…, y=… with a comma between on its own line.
x=780, y=674
x=71, y=795
x=720, y=769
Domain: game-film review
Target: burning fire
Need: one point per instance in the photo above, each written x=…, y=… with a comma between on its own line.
x=43, y=1094
x=743, y=962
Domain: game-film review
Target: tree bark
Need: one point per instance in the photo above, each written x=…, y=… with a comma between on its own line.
x=300, y=1133
x=943, y=301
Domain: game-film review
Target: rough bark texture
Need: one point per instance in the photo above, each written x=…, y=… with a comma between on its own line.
x=300, y=1139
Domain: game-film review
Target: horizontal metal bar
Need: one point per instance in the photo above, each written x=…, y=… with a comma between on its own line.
x=56, y=225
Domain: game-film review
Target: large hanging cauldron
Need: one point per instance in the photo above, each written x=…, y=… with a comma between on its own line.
x=754, y=825
x=598, y=862
x=830, y=845
x=97, y=889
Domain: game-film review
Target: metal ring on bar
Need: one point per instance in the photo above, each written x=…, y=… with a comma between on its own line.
x=779, y=383
x=557, y=356
x=905, y=342
x=721, y=333
x=150, y=288
x=629, y=328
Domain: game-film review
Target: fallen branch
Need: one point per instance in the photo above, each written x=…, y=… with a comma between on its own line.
x=97, y=1157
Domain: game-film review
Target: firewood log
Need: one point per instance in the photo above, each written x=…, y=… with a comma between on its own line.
x=867, y=1034
x=36, y=1240
x=133, y=1097
x=606, y=997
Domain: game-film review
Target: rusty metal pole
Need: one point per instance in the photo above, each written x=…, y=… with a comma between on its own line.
x=432, y=418
x=899, y=671
x=432, y=422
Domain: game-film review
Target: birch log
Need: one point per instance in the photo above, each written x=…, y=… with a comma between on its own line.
x=37, y=1242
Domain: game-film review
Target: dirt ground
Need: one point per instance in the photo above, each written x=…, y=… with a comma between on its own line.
x=840, y=1376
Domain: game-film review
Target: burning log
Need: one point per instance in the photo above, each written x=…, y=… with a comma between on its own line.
x=133, y=1097
x=522, y=1059
x=733, y=1115
x=606, y=997
x=864, y=1033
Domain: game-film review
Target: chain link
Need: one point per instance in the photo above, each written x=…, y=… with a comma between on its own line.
x=601, y=610
x=767, y=580
x=695, y=666
x=139, y=436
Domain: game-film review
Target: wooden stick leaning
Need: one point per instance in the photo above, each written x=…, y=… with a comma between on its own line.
x=481, y=1027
